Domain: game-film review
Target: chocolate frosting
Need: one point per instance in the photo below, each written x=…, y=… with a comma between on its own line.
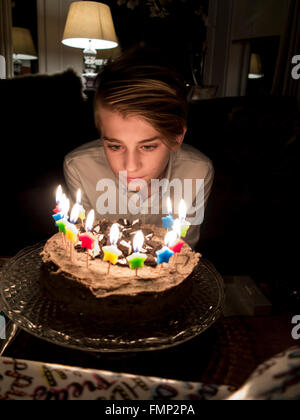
x=121, y=280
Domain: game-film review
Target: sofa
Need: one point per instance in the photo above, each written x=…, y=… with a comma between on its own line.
x=250, y=218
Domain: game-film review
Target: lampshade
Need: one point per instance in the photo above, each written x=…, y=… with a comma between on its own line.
x=23, y=46
x=255, y=67
x=89, y=24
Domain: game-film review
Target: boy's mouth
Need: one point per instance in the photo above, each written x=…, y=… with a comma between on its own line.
x=129, y=179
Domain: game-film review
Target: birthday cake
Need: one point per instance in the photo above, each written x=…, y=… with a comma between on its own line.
x=117, y=293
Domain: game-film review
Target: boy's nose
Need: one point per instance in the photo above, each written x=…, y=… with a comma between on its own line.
x=132, y=163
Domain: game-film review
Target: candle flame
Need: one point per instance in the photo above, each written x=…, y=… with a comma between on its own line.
x=75, y=213
x=90, y=221
x=58, y=194
x=169, y=206
x=65, y=205
x=114, y=234
x=177, y=228
x=78, y=196
x=170, y=238
x=182, y=210
x=138, y=241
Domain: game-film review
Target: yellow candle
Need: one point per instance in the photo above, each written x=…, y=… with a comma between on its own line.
x=111, y=252
x=81, y=208
x=71, y=233
x=71, y=230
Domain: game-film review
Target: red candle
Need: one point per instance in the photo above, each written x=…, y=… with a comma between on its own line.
x=177, y=247
x=58, y=200
x=179, y=243
x=88, y=239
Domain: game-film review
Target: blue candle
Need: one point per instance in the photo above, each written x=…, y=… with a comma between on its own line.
x=63, y=219
x=164, y=254
x=57, y=217
x=168, y=220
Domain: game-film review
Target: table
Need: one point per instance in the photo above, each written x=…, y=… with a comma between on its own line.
x=225, y=354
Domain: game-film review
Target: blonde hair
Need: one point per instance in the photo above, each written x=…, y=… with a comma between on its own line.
x=133, y=85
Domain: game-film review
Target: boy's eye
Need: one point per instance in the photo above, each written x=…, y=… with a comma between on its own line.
x=148, y=148
x=114, y=148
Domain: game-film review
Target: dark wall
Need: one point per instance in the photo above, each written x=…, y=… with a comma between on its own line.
x=43, y=118
x=252, y=215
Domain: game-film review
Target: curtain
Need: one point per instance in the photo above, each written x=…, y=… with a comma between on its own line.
x=6, y=48
x=284, y=84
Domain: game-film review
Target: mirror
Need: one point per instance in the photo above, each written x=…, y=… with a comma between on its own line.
x=25, y=37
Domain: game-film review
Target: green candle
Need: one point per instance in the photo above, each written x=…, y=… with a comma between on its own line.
x=184, y=228
x=137, y=259
x=61, y=224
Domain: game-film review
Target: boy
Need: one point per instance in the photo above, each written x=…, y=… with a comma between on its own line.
x=140, y=160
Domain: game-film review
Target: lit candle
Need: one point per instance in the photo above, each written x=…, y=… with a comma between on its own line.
x=61, y=223
x=137, y=259
x=57, y=216
x=57, y=211
x=71, y=230
x=184, y=224
x=82, y=211
x=88, y=239
x=164, y=254
x=168, y=220
x=176, y=248
x=112, y=253
x=59, y=195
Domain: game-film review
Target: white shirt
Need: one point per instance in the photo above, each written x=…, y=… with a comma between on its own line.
x=188, y=169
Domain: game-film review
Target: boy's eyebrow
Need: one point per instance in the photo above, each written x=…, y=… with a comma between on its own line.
x=112, y=140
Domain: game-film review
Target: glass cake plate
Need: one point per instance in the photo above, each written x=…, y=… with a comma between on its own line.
x=24, y=301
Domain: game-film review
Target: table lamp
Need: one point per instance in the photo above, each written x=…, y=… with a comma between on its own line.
x=89, y=26
x=103, y=56
x=23, y=47
x=255, y=71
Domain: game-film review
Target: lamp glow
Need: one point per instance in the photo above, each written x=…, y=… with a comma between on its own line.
x=89, y=26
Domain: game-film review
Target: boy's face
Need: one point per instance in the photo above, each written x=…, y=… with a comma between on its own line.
x=131, y=144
